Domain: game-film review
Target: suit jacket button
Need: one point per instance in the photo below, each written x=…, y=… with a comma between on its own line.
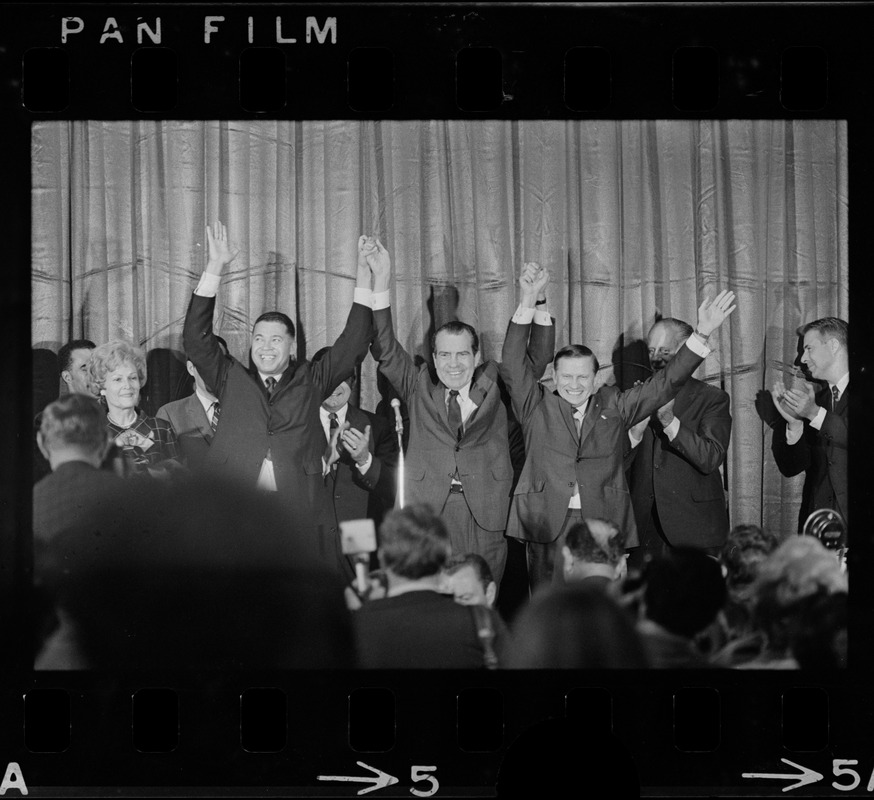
x=457, y=447
x=270, y=433
x=570, y=484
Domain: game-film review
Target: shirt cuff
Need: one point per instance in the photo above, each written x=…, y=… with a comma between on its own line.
x=363, y=296
x=672, y=429
x=817, y=421
x=362, y=468
x=208, y=284
x=381, y=300
x=697, y=346
x=793, y=437
x=541, y=316
x=523, y=316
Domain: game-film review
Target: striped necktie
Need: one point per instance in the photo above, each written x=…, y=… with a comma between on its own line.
x=216, y=413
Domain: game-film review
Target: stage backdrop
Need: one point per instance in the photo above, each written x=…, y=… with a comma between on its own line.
x=633, y=219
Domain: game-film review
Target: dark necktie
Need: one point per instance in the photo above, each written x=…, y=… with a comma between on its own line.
x=216, y=413
x=333, y=424
x=455, y=414
x=836, y=395
x=270, y=383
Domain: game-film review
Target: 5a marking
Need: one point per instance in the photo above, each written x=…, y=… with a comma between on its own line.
x=841, y=767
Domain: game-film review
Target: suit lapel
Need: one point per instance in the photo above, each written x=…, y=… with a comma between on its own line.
x=567, y=413
x=199, y=417
x=438, y=397
x=589, y=418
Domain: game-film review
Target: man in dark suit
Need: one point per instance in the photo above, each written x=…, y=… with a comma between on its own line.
x=812, y=438
x=195, y=418
x=363, y=456
x=576, y=437
x=675, y=482
x=268, y=435
x=458, y=459
x=73, y=438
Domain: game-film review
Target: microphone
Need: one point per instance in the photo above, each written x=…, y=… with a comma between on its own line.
x=399, y=422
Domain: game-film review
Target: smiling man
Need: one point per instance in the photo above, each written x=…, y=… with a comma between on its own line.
x=813, y=435
x=269, y=434
x=458, y=457
x=576, y=437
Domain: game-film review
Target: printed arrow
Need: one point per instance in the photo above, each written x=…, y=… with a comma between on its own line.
x=379, y=780
x=806, y=776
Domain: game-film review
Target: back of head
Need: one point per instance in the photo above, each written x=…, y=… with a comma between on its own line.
x=596, y=541
x=473, y=560
x=413, y=542
x=684, y=591
x=74, y=421
x=200, y=574
x=746, y=547
x=575, y=627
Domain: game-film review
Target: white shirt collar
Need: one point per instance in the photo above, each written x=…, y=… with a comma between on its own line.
x=205, y=400
x=842, y=384
x=324, y=415
x=463, y=392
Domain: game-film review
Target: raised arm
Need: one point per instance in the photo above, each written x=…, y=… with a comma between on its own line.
x=199, y=341
x=517, y=368
x=394, y=362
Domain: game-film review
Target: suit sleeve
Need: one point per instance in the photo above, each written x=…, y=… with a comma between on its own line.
x=394, y=362
x=704, y=445
x=792, y=459
x=346, y=353
x=641, y=401
x=541, y=348
x=201, y=345
x=516, y=371
x=380, y=478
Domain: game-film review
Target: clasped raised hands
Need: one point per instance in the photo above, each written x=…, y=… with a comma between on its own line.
x=532, y=282
x=374, y=256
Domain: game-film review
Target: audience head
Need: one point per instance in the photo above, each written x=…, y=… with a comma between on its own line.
x=414, y=543
x=825, y=352
x=272, y=343
x=73, y=360
x=575, y=367
x=73, y=428
x=454, y=348
x=819, y=639
x=574, y=627
x=343, y=393
x=469, y=579
x=192, y=370
x=683, y=591
x=746, y=547
x=118, y=371
x=594, y=547
x=800, y=568
x=665, y=338
x=174, y=575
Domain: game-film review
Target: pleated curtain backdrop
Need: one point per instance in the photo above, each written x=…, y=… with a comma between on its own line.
x=632, y=218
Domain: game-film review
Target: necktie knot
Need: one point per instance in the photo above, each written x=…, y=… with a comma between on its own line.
x=216, y=413
x=836, y=395
x=270, y=383
x=332, y=422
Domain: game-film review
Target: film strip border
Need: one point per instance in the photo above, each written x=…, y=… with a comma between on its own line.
x=401, y=61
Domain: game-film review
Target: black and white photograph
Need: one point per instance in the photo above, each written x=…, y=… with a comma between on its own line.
x=440, y=394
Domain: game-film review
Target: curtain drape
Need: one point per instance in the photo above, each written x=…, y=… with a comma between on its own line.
x=633, y=219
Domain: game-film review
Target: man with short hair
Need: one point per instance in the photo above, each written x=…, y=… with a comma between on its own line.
x=415, y=625
x=195, y=418
x=73, y=360
x=576, y=437
x=73, y=438
x=364, y=459
x=594, y=553
x=268, y=436
x=469, y=580
x=812, y=438
x=458, y=458
x=674, y=478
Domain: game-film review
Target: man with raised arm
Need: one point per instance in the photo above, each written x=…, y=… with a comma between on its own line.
x=458, y=458
x=575, y=437
x=269, y=434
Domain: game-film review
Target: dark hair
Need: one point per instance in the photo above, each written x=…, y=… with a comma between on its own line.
x=276, y=316
x=74, y=419
x=455, y=327
x=65, y=354
x=586, y=547
x=575, y=351
x=575, y=627
x=413, y=541
x=684, y=590
x=682, y=330
x=746, y=547
x=829, y=327
x=479, y=564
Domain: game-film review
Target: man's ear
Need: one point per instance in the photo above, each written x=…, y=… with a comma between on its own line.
x=478, y=358
x=567, y=558
x=40, y=442
x=67, y=377
x=491, y=592
x=190, y=367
